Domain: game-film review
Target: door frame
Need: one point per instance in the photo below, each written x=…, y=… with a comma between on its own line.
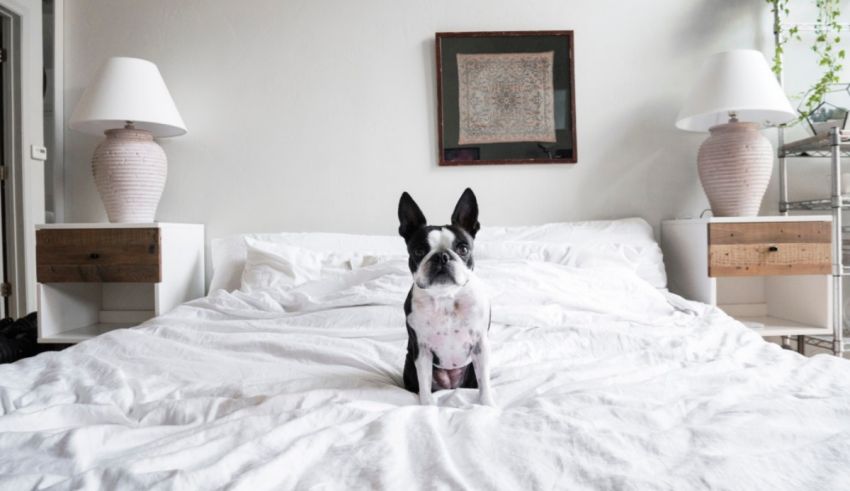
x=55, y=138
x=25, y=139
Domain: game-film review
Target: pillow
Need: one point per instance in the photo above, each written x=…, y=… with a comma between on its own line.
x=229, y=253
x=634, y=231
x=280, y=265
x=627, y=241
x=639, y=260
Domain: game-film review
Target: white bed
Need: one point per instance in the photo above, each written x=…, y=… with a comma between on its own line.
x=603, y=379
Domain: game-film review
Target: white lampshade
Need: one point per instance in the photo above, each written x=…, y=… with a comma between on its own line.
x=738, y=81
x=127, y=89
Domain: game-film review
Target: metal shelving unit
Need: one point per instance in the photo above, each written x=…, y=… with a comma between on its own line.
x=834, y=145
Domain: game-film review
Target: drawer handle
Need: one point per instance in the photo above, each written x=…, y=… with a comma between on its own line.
x=94, y=255
x=772, y=249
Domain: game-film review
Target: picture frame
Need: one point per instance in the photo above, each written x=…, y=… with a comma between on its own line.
x=506, y=97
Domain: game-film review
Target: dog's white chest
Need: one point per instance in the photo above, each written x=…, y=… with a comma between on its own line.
x=450, y=321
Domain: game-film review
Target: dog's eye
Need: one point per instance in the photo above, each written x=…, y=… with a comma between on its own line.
x=419, y=252
x=462, y=250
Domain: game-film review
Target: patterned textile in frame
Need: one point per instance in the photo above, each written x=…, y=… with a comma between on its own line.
x=506, y=98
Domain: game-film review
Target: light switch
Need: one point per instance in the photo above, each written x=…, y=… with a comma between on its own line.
x=38, y=152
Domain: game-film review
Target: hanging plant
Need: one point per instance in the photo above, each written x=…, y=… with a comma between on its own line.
x=827, y=36
x=780, y=11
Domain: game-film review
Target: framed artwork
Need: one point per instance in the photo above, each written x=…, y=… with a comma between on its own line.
x=506, y=98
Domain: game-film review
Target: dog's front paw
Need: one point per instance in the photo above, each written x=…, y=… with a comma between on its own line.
x=426, y=399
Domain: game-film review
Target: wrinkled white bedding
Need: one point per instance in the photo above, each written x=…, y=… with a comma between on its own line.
x=603, y=382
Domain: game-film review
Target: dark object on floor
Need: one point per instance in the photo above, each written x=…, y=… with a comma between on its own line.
x=18, y=339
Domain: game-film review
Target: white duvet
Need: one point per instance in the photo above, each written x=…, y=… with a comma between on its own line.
x=602, y=382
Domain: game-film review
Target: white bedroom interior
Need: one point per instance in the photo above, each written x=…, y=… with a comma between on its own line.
x=281, y=96
x=308, y=119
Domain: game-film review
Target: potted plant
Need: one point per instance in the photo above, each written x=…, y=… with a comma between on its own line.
x=831, y=112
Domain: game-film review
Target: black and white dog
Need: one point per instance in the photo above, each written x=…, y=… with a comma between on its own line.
x=448, y=315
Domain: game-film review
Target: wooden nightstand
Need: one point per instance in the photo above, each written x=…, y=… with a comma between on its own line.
x=95, y=277
x=772, y=273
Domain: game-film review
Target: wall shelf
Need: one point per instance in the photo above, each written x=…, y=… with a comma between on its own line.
x=818, y=146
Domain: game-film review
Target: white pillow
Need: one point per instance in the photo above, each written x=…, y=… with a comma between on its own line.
x=229, y=253
x=638, y=259
x=279, y=265
x=634, y=231
x=626, y=241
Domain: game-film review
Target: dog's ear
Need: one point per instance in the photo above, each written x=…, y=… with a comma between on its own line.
x=410, y=217
x=465, y=215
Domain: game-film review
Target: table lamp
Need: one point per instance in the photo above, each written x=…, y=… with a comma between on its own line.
x=735, y=95
x=129, y=102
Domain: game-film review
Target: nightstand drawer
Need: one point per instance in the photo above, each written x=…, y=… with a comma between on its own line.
x=127, y=255
x=769, y=248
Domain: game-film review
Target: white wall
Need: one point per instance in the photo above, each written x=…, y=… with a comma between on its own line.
x=316, y=114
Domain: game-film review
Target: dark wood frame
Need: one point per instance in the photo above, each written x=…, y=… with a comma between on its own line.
x=572, y=115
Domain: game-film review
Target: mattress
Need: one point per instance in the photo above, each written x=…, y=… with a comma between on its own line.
x=602, y=381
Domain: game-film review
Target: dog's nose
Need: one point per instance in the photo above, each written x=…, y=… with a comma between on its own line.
x=444, y=257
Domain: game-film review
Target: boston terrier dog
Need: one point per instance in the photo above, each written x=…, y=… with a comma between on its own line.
x=448, y=314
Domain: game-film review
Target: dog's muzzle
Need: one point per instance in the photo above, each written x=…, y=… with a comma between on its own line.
x=441, y=269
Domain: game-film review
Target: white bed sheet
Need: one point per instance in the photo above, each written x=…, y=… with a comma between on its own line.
x=602, y=381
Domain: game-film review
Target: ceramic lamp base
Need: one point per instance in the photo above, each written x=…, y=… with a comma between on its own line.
x=129, y=170
x=735, y=164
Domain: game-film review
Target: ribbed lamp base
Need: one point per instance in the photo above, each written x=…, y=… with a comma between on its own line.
x=735, y=164
x=129, y=170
